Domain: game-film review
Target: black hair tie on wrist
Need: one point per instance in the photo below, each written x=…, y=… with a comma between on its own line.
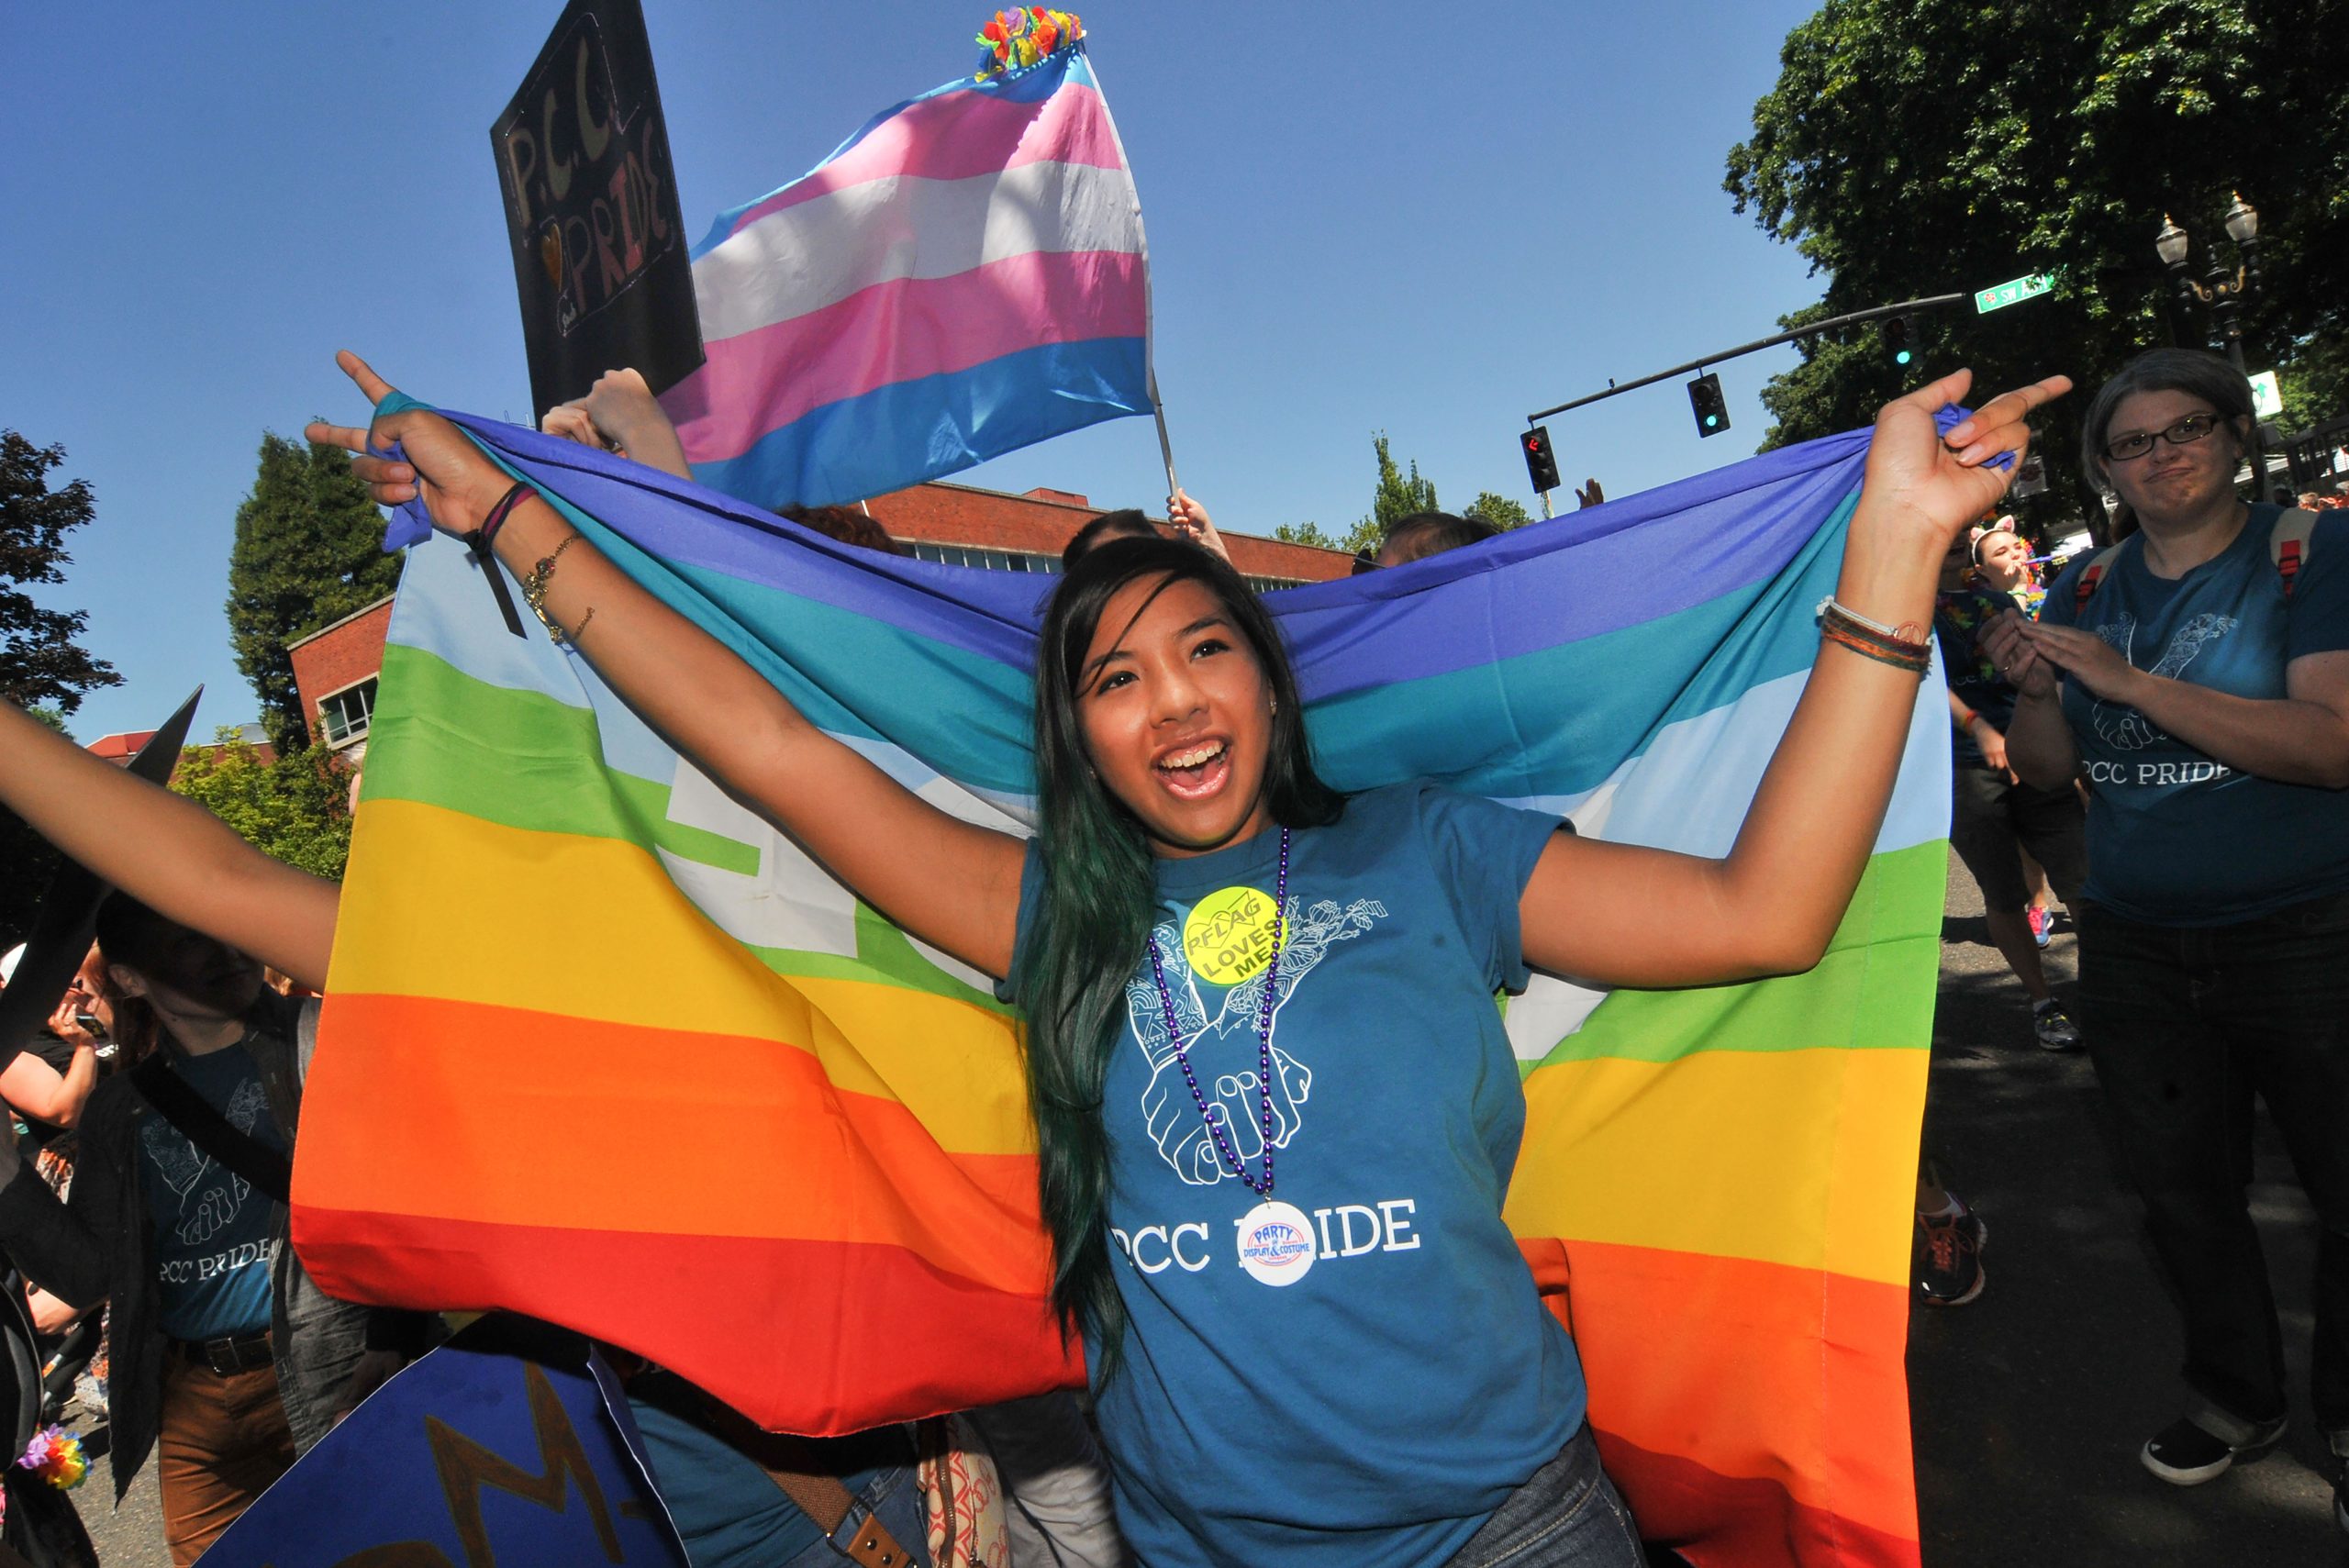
x=477, y=545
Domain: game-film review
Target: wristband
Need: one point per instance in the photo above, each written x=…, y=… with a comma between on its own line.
x=477, y=545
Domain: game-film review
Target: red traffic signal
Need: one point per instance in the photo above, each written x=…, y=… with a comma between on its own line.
x=1541, y=462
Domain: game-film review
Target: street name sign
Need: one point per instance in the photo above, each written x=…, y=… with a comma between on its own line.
x=2003, y=294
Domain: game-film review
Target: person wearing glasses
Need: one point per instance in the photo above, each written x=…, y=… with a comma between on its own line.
x=2197, y=674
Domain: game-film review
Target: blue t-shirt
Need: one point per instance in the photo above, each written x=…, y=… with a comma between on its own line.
x=2176, y=839
x=215, y=1237
x=1360, y=1370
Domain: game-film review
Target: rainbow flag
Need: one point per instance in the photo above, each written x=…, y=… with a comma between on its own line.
x=601, y=1048
x=965, y=276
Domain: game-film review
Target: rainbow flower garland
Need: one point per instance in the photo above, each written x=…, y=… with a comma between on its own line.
x=55, y=1455
x=1023, y=36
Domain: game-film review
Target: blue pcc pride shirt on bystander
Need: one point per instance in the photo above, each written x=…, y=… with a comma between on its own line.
x=1357, y=1370
x=2174, y=837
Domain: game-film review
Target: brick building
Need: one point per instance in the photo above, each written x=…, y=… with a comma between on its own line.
x=119, y=747
x=960, y=525
x=335, y=668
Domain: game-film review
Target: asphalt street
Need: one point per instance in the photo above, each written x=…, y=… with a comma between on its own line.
x=2029, y=1406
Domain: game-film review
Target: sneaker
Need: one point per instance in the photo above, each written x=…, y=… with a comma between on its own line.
x=2043, y=923
x=2185, y=1454
x=2054, y=1028
x=1949, y=1260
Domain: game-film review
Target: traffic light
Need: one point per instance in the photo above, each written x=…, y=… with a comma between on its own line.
x=1541, y=462
x=1706, y=402
x=1895, y=340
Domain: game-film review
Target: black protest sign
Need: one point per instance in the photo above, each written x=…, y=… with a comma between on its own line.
x=591, y=210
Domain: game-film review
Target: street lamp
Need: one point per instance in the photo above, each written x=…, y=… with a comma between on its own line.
x=2222, y=294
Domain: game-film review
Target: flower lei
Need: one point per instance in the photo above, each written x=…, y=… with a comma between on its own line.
x=55, y=1455
x=1023, y=37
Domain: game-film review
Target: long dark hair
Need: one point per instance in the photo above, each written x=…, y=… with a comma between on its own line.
x=131, y=935
x=1089, y=929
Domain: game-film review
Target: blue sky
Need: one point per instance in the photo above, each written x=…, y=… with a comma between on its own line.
x=1429, y=221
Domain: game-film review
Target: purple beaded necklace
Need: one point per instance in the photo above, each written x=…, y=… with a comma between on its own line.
x=1231, y=1161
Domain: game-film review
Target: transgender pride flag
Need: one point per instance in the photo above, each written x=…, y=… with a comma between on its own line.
x=963, y=277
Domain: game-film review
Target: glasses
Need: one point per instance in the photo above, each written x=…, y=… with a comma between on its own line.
x=2137, y=444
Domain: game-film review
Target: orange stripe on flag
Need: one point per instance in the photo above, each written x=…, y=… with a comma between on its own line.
x=1751, y=1372
x=556, y=1122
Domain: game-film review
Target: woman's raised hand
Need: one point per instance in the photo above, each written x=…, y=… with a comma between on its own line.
x=457, y=484
x=1942, y=483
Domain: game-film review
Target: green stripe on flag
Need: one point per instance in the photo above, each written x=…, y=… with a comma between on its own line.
x=1873, y=991
x=544, y=773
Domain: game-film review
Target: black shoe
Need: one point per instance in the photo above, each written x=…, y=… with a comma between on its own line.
x=1949, y=1257
x=2185, y=1454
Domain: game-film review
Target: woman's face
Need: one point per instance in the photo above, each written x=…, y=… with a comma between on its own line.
x=193, y=977
x=2004, y=558
x=2171, y=481
x=1176, y=715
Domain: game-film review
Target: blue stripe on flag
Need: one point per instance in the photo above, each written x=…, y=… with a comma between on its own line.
x=846, y=451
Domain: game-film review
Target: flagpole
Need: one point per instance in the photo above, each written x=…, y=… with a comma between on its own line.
x=1148, y=307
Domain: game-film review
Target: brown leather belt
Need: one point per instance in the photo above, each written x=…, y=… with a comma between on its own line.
x=229, y=1356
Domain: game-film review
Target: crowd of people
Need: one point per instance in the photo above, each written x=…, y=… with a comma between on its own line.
x=2157, y=742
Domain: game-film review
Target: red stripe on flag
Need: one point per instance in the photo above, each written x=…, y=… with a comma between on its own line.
x=811, y=1337
x=1725, y=1521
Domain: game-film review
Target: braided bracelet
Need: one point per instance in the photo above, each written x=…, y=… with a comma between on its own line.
x=1833, y=629
x=1907, y=632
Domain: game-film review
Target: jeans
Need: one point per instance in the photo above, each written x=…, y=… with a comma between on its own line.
x=1568, y=1516
x=2183, y=1026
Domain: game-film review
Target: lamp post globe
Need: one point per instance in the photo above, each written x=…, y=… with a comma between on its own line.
x=2170, y=243
x=2243, y=222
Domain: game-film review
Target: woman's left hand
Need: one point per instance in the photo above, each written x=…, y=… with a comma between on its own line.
x=1191, y=520
x=1938, y=484
x=2084, y=657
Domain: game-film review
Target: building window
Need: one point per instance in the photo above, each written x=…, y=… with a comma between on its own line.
x=1028, y=561
x=342, y=718
x=989, y=559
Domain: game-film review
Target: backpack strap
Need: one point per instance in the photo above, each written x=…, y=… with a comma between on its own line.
x=210, y=1131
x=2288, y=545
x=2090, y=575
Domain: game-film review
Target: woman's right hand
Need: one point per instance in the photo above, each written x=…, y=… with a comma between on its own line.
x=2004, y=640
x=457, y=484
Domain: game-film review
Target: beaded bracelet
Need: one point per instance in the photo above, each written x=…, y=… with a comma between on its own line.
x=534, y=586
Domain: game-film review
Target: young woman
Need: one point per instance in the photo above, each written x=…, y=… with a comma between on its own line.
x=1404, y=1399
x=2200, y=681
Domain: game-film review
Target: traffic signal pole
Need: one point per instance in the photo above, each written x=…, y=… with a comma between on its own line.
x=1907, y=306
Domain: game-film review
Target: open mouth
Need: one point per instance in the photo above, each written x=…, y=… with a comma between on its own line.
x=1196, y=771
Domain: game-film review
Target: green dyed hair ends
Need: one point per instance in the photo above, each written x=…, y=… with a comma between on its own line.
x=1093, y=919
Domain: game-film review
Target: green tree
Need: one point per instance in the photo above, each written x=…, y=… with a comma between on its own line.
x=39, y=661
x=1304, y=533
x=307, y=553
x=1906, y=152
x=1499, y=510
x=42, y=667
x=1397, y=497
x=296, y=807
